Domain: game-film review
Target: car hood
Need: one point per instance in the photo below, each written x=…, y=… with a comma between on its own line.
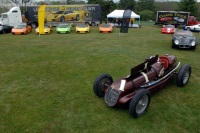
x=18, y=30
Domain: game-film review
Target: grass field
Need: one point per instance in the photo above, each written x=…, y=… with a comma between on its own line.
x=46, y=83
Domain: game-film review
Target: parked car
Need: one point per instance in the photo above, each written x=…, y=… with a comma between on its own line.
x=195, y=28
x=183, y=39
x=168, y=29
x=135, y=89
x=47, y=29
x=5, y=29
x=63, y=28
x=105, y=28
x=62, y=16
x=82, y=28
x=21, y=29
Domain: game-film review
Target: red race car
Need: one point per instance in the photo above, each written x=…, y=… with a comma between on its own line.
x=168, y=29
x=146, y=78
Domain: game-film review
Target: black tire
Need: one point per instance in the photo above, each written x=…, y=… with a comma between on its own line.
x=93, y=23
x=77, y=17
x=173, y=45
x=33, y=25
x=193, y=47
x=183, y=75
x=103, y=81
x=62, y=19
x=4, y=32
x=139, y=103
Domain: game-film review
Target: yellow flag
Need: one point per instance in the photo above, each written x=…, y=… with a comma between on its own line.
x=41, y=15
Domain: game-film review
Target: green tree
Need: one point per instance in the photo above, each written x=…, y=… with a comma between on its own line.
x=189, y=6
x=123, y=4
x=146, y=15
x=146, y=5
x=106, y=6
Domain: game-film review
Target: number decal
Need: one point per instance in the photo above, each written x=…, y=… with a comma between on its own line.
x=122, y=85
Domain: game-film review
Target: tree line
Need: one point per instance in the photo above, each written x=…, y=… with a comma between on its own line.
x=145, y=8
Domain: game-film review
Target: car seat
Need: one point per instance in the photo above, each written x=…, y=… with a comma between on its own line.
x=165, y=61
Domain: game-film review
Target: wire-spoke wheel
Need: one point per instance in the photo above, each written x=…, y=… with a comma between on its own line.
x=139, y=103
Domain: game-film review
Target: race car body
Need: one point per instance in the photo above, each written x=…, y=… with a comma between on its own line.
x=146, y=78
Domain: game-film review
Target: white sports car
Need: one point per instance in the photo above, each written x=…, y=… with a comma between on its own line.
x=193, y=28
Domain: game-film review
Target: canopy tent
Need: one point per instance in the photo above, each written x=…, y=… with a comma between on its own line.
x=119, y=14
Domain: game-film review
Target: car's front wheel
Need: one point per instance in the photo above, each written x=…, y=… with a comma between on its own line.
x=193, y=47
x=183, y=75
x=102, y=82
x=139, y=103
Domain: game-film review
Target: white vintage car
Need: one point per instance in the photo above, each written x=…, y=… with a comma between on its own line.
x=193, y=28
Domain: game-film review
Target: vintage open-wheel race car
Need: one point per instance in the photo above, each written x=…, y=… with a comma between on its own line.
x=146, y=78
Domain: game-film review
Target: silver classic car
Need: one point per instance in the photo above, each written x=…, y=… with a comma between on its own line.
x=183, y=39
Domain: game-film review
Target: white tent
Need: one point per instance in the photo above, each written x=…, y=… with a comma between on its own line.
x=119, y=14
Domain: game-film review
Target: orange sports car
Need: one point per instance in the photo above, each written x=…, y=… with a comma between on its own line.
x=105, y=28
x=21, y=29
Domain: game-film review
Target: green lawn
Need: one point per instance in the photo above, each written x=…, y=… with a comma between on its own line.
x=46, y=83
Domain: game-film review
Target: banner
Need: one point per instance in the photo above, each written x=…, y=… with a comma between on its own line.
x=126, y=19
x=41, y=14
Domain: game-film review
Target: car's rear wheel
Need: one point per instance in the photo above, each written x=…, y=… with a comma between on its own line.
x=139, y=103
x=62, y=19
x=33, y=25
x=101, y=83
x=93, y=24
x=188, y=28
x=77, y=17
x=183, y=75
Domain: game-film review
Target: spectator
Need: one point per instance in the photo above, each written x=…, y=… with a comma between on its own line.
x=131, y=23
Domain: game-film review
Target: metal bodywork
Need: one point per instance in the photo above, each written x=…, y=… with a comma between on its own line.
x=5, y=29
x=105, y=28
x=21, y=29
x=63, y=28
x=47, y=30
x=135, y=90
x=183, y=39
x=195, y=28
x=151, y=74
x=168, y=29
x=82, y=28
